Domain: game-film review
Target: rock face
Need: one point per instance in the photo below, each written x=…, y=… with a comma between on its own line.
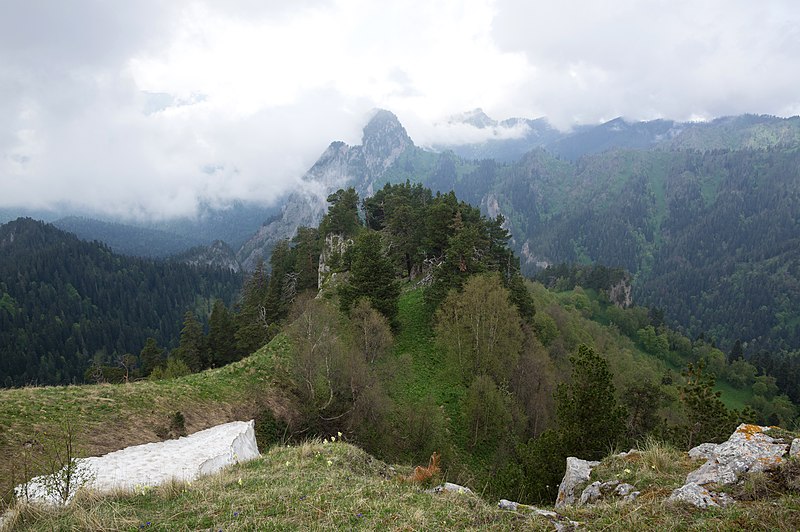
x=621, y=293
x=748, y=449
x=340, y=166
x=152, y=464
x=577, y=472
x=335, y=246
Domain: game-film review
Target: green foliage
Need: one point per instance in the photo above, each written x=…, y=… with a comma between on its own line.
x=480, y=329
x=220, y=343
x=542, y=460
x=372, y=332
x=191, y=349
x=487, y=411
x=372, y=277
x=72, y=299
x=252, y=324
x=654, y=343
x=342, y=216
x=151, y=356
x=174, y=368
x=707, y=417
x=590, y=419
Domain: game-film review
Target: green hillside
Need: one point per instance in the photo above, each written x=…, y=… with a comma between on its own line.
x=424, y=339
x=337, y=486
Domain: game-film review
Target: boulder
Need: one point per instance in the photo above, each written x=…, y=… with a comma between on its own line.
x=591, y=494
x=747, y=450
x=577, y=472
x=699, y=496
x=704, y=451
x=627, y=492
x=152, y=464
x=794, y=450
x=450, y=487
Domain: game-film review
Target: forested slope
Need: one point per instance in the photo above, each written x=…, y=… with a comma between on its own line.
x=65, y=304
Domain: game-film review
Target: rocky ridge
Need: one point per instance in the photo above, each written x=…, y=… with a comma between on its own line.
x=384, y=140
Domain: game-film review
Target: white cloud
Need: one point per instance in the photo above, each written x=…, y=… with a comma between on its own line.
x=147, y=108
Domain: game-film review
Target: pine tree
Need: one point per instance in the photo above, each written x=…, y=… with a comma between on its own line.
x=151, y=356
x=590, y=419
x=708, y=419
x=190, y=350
x=221, y=340
x=371, y=276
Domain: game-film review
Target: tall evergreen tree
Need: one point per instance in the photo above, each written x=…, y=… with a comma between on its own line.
x=342, y=216
x=252, y=324
x=221, y=340
x=590, y=419
x=190, y=350
x=151, y=356
x=371, y=276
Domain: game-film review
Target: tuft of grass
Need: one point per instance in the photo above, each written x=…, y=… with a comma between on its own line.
x=655, y=469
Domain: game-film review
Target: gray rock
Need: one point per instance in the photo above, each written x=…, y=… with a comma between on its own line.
x=699, y=496
x=794, y=450
x=505, y=504
x=559, y=521
x=631, y=496
x=704, y=451
x=450, y=487
x=747, y=450
x=624, y=490
x=608, y=486
x=577, y=472
x=591, y=494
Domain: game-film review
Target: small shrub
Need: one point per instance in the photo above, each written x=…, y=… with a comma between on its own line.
x=269, y=429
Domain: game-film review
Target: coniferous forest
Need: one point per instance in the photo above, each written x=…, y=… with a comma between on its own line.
x=67, y=305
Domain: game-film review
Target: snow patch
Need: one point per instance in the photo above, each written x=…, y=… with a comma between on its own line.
x=152, y=464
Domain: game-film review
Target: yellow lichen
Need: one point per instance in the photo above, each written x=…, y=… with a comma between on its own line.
x=749, y=430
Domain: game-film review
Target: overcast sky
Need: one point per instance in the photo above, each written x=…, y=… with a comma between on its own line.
x=147, y=107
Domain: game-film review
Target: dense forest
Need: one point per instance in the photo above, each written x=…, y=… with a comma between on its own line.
x=710, y=236
x=425, y=337
x=66, y=305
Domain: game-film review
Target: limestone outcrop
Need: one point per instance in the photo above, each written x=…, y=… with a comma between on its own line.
x=577, y=473
x=749, y=449
x=151, y=464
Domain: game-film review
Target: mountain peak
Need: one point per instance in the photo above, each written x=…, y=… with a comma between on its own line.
x=384, y=126
x=477, y=118
x=384, y=139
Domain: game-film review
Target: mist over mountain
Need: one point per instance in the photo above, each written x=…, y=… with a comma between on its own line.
x=645, y=196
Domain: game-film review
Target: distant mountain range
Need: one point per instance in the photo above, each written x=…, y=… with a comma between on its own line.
x=660, y=198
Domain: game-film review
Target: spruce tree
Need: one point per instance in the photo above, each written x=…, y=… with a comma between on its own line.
x=151, y=356
x=221, y=340
x=190, y=350
x=590, y=419
x=371, y=276
x=252, y=325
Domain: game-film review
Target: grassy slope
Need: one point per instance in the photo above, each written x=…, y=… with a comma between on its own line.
x=336, y=486
x=623, y=354
x=110, y=417
x=430, y=374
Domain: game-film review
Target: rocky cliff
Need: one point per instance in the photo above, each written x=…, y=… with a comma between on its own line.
x=383, y=141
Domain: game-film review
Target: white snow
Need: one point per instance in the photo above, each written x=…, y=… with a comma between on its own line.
x=152, y=464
